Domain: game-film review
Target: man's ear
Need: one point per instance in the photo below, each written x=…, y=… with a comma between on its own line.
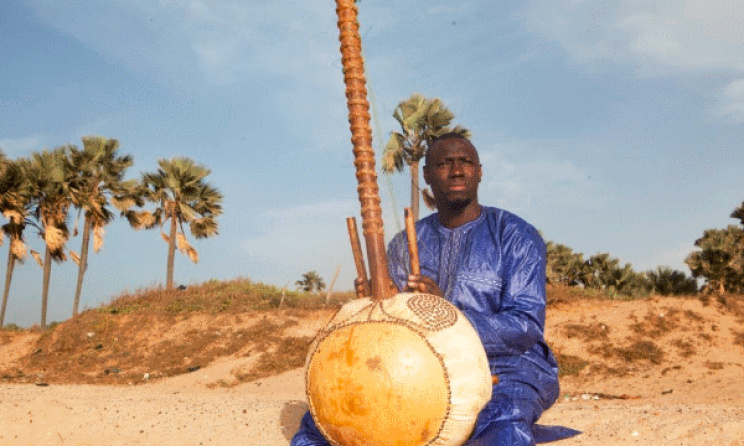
x=480, y=172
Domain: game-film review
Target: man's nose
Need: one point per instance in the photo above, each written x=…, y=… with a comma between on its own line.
x=457, y=169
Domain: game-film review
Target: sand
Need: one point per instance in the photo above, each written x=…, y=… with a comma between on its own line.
x=695, y=396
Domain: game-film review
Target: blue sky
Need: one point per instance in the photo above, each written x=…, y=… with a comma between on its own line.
x=612, y=126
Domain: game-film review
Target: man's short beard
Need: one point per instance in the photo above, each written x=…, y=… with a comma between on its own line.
x=456, y=205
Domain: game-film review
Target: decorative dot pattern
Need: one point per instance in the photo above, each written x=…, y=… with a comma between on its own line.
x=435, y=312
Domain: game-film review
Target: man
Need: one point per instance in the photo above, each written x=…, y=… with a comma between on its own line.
x=491, y=265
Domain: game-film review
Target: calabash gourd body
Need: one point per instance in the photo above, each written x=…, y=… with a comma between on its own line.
x=405, y=371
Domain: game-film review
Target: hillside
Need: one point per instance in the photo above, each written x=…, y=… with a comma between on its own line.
x=155, y=334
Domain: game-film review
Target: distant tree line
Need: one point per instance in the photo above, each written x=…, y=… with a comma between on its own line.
x=604, y=273
x=719, y=262
x=41, y=191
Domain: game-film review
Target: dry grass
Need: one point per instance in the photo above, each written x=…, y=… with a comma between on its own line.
x=685, y=348
x=159, y=333
x=588, y=333
x=655, y=325
x=642, y=350
x=738, y=338
x=569, y=365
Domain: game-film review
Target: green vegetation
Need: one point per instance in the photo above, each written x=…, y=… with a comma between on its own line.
x=15, y=201
x=310, y=282
x=720, y=260
x=216, y=297
x=180, y=195
x=39, y=191
x=603, y=273
x=49, y=175
x=421, y=120
x=98, y=182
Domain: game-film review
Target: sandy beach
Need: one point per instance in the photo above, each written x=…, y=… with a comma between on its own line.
x=693, y=396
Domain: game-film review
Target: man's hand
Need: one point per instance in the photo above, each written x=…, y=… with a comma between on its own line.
x=359, y=287
x=419, y=283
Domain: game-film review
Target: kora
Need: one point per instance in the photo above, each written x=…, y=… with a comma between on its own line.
x=405, y=371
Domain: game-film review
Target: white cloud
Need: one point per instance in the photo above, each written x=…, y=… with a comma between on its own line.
x=228, y=39
x=291, y=236
x=297, y=239
x=731, y=102
x=518, y=185
x=654, y=37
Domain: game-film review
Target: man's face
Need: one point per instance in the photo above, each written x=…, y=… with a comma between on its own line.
x=453, y=172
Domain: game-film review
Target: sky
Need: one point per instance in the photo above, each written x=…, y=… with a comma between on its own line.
x=610, y=125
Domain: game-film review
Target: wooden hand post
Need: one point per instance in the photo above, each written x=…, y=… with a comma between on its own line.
x=364, y=155
x=356, y=249
x=412, y=242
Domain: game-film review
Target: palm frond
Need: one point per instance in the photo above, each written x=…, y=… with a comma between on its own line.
x=181, y=243
x=59, y=256
x=141, y=219
x=204, y=227
x=13, y=216
x=75, y=257
x=98, y=232
x=37, y=257
x=75, y=226
x=18, y=248
x=394, y=155
x=54, y=237
x=193, y=255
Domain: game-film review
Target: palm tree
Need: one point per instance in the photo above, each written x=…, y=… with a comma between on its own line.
x=563, y=265
x=667, y=281
x=99, y=180
x=720, y=259
x=14, y=202
x=421, y=120
x=49, y=178
x=182, y=196
x=599, y=271
x=311, y=281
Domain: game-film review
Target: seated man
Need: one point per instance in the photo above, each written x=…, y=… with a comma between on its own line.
x=491, y=265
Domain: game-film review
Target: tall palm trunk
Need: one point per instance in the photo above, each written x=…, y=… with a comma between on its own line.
x=6, y=291
x=83, y=266
x=171, y=249
x=45, y=289
x=415, y=189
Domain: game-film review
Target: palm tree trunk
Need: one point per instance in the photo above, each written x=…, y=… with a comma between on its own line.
x=415, y=190
x=171, y=251
x=45, y=289
x=6, y=291
x=83, y=266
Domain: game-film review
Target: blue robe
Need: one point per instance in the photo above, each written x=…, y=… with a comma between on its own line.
x=493, y=270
